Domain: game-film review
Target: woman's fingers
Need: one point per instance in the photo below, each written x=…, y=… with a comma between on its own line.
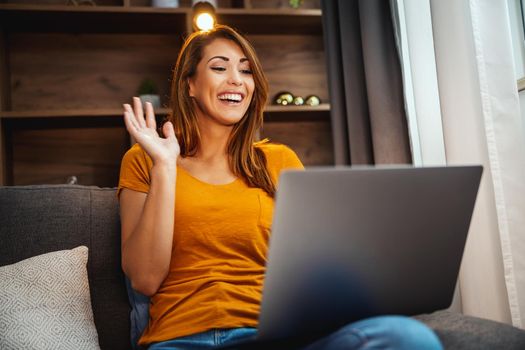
x=132, y=117
x=168, y=130
x=129, y=117
x=130, y=123
x=139, y=113
x=150, y=116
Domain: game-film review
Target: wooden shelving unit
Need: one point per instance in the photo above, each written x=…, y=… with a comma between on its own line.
x=66, y=70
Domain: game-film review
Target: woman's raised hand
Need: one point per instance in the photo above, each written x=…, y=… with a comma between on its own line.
x=161, y=150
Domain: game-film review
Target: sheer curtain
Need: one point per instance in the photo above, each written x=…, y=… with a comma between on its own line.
x=481, y=123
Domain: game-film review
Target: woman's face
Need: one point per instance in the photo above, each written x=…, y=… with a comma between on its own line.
x=223, y=84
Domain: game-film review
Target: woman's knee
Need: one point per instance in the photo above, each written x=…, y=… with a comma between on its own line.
x=395, y=332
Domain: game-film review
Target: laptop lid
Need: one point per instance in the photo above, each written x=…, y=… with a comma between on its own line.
x=350, y=243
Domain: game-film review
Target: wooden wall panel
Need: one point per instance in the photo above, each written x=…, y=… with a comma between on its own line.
x=61, y=71
x=312, y=141
x=50, y=156
x=5, y=72
x=293, y=63
x=140, y=2
x=57, y=71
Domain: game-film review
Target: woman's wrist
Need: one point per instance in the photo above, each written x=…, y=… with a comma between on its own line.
x=168, y=168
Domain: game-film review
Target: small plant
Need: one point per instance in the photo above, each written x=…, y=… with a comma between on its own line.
x=147, y=87
x=295, y=3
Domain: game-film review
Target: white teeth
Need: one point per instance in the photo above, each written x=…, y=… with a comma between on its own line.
x=231, y=97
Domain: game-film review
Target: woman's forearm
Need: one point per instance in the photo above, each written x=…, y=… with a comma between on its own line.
x=146, y=253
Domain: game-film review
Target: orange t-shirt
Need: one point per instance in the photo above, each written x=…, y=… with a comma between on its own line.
x=220, y=243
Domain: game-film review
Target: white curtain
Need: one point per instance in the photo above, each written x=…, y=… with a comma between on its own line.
x=415, y=43
x=481, y=124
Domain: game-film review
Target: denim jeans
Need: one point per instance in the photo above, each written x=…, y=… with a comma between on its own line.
x=382, y=332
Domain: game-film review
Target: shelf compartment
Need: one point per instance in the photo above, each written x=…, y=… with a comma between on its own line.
x=90, y=71
x=51, y=155
x=311, y=140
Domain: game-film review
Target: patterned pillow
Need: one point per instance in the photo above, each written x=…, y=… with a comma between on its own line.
x=45, y=303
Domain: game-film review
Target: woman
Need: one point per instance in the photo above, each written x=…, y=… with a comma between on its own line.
x=196, y=205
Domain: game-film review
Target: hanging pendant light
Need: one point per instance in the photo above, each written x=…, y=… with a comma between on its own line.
x=204, y=14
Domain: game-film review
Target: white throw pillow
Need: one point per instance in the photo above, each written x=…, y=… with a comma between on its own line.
x=45, y=303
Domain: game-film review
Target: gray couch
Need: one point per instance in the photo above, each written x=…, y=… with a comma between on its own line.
x=39, y=219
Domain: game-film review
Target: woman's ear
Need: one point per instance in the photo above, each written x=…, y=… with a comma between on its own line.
x=191, y=87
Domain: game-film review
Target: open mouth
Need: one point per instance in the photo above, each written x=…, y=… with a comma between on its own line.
x=231, y=98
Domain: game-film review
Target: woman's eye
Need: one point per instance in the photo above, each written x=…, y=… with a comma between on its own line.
x=246, y=71
x=218, y=69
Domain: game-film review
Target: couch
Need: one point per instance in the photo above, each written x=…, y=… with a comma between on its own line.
x=45, y=218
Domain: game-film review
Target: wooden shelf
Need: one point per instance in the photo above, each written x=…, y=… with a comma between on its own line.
x=67, y=113
x=297, y=113
x=274, y=113
x=120, y=19
x=287, y=109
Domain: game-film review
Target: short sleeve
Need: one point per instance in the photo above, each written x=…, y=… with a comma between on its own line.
x=135, y=170
x=290, y=160
x=279, y=157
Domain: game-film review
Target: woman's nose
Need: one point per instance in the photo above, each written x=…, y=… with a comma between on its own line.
x=235, y=78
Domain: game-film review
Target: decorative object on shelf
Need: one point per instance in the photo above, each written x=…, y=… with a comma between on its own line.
x=204, y=14
x=213, y=3
x=295, y=3
x=72, y=180
x=148, y=93
x=81, y=2
x=165, y=3
x=298, y=101
x=312, y=100
x=283, y=98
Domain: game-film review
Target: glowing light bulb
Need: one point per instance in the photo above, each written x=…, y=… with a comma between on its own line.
x=205, y=21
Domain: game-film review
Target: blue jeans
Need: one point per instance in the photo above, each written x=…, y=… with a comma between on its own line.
x=383, y=332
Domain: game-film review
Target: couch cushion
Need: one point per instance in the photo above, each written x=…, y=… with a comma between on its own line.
x=45, y=218
x=45, y=303
x=457, y=331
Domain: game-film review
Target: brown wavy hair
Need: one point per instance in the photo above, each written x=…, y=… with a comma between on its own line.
x=246, y=161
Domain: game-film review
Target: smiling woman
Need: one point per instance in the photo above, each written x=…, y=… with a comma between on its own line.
x=197, y=202
x=202, y=260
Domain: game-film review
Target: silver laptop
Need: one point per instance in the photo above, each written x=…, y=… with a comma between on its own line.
x=350, y=243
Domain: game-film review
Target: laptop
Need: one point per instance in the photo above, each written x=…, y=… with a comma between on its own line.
x=350, y=243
